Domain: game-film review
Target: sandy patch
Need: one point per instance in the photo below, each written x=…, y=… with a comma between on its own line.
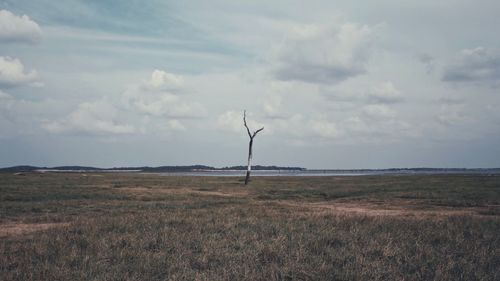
x=15, y=229
x=371, y=209
x=183, y=191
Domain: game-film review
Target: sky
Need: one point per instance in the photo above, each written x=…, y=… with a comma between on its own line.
x=335, y=84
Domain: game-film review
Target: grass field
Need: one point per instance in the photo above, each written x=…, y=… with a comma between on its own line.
x=127, y=226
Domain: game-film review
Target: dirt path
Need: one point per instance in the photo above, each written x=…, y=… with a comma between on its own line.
x=183, y=191
x=16, y=229
x=374, y=210
x=403, y=209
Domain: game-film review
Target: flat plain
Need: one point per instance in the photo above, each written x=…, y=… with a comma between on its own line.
x=133, y=226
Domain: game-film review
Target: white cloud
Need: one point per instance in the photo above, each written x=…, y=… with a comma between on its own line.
x=377, y=124
x=161, y=80
x=324, y=54
x=475, y=65
x=378, y=111
x=150, y=106
x=272, y=105
x=18, y=28
x=372, y=123
x=91, y=118
x=357, y=125
x=232, y=120
x=385, y=93
x=12, y=73
x=6, y=103
x=325, y=129
x=176, y=125
x=159, y=97
x=356, y=92
x=295, y=126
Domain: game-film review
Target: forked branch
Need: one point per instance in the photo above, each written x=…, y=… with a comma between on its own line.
x=246, y=126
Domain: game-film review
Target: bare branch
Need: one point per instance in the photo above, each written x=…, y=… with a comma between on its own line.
x=256, y=132
x=245, y=122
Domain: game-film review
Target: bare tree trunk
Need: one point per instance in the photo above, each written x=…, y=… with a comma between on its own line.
x=249, y=167
x=251, y=136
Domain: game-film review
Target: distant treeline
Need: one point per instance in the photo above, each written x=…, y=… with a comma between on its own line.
x=194, y=168
x=160, y=169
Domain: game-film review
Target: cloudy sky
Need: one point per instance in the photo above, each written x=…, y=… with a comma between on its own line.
x=336, y=84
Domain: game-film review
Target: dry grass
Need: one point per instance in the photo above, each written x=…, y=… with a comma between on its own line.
x=149, y=227
x=21, y=229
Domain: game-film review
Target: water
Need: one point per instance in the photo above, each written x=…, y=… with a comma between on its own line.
x=329, y=173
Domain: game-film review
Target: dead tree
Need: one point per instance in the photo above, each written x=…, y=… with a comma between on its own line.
x=251, y=136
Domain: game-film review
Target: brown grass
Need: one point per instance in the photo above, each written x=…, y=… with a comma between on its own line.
x=150, y=227
x=18, y=229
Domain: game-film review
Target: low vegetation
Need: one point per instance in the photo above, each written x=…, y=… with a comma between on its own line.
x=132, y=226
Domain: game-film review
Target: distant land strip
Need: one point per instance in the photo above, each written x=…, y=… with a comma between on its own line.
x=160, y=169
x=203, y=168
